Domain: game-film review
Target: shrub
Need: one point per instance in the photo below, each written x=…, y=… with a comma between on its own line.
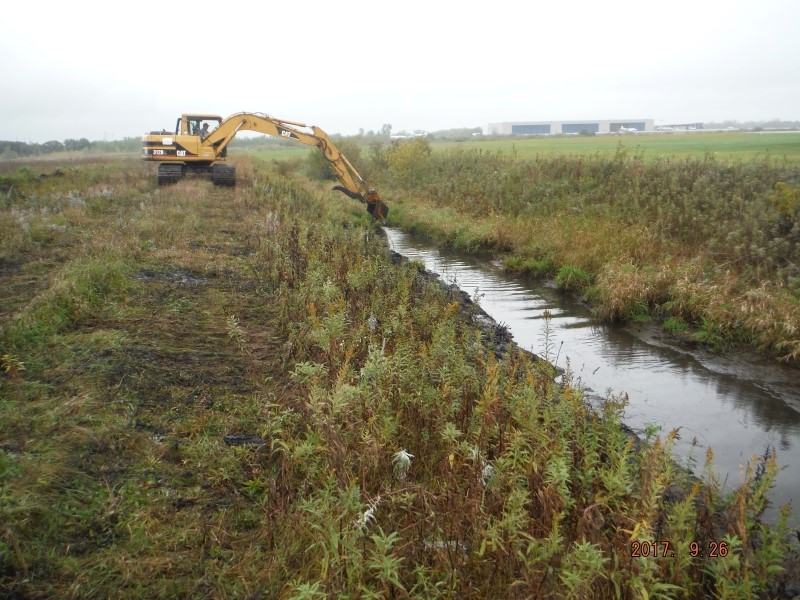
x=408, y=161
x=289, y=166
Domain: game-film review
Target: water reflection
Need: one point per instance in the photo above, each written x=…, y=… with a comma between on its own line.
x=733, y=405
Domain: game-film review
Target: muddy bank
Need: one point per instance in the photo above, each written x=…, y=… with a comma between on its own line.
x=778, y=379
x=498, y=335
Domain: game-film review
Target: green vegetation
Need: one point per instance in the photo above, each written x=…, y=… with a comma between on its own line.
x=274, y=152
x=714, y=243
x=534, y=267
x=723, y=146
x=572, y=279
x=675, y=325
x=70, y=147
x=216, y=393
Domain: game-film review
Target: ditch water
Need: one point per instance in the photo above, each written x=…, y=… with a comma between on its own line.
x=737, y=406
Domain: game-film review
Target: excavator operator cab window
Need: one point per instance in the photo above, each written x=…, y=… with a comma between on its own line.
x=192, y=127
x=197, y=125
x=206, y=126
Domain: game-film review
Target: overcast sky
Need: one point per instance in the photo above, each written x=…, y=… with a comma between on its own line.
x=108, y=70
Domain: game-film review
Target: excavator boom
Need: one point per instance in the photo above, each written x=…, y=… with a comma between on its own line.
x=194, y=149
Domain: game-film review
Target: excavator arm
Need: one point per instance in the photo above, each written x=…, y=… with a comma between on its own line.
x=350, y=181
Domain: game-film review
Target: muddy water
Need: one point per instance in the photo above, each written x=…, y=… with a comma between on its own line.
x=737, y=406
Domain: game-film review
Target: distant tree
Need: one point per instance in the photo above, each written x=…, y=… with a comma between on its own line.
x=755, y=125
x=19, y=149
x=72, y=145
x=378, y=158
x=6, y=153
x=461, y=133
x=52, y=146
x=127, y=144
x=386, y=129
x=408, y=160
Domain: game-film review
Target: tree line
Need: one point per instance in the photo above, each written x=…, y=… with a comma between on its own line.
x=9, y=149
x=12, y=149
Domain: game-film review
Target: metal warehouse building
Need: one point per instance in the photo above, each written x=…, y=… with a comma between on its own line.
x=571, y=127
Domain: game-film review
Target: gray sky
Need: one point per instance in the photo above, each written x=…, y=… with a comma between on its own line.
x=108, y=70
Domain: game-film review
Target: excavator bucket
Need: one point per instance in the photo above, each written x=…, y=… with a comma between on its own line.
x=375, y=205
x=378, y=210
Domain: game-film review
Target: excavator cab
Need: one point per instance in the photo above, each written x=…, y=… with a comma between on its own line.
x=193, y=124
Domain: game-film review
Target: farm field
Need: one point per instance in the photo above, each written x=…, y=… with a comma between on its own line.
x=216, y=393
x=777, y=147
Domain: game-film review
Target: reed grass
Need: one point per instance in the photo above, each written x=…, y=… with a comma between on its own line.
x=701, y=239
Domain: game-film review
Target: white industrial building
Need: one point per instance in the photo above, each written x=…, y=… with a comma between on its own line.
x=571, y=127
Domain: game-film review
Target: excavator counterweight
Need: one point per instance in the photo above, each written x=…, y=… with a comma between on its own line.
x=199, y=145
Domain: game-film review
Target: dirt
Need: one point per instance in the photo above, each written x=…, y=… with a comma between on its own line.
x=171, y=275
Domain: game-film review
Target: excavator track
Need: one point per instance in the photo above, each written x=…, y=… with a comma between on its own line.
x=169, y=173
x=224, y=175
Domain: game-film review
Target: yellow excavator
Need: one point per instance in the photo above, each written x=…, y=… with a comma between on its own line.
x=199, y=145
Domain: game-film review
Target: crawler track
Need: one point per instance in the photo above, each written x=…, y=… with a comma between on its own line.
x=169, y=173
x=224, y=175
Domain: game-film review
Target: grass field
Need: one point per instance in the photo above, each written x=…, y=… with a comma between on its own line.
x=722, y=145
x=273, y=152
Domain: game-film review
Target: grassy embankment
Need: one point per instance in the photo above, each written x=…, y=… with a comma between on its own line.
x=235, y=393
x=710, y=247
